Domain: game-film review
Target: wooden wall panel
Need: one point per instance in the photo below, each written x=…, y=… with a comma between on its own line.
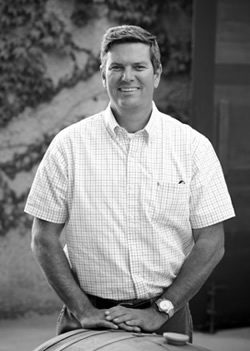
x=229, y=72
x=239, y=135
x=204, y=38
x=232, y=52
x=239, y=94
x=236, y=10
x=232, y=74
x=233, y=32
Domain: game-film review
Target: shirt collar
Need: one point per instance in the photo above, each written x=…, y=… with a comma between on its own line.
x=150, y=129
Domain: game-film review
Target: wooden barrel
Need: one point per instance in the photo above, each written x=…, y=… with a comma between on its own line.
x=108, y=340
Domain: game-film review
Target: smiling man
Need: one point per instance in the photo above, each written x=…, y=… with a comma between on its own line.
x=140, y=197
x=130, y=79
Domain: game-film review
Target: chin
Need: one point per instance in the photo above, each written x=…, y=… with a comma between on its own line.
x=129, y=103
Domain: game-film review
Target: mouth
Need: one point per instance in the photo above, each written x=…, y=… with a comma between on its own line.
x=128, y=90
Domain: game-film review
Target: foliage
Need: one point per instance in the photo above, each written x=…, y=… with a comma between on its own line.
x=170, y=20
x=27, y=31
x=11, y=204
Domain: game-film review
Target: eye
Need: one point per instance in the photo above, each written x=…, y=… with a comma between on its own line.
x=115, y=68
x=140, y=67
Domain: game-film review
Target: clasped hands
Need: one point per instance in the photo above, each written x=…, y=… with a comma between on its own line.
x=129, y=319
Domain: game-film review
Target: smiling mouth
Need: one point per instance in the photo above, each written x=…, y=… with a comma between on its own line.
x=128, y=90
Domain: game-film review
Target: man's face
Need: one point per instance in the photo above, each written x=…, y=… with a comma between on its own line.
x=129, y=77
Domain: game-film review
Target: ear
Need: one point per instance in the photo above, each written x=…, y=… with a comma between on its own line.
x=103, y=77
x=157, y=76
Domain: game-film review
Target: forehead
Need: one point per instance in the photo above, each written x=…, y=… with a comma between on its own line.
x=129, y=52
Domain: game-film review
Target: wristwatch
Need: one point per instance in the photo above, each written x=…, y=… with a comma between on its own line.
x=165, y=306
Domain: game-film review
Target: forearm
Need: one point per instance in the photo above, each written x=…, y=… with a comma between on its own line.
x=204, y=257
x=61, y=278
x=49, y=253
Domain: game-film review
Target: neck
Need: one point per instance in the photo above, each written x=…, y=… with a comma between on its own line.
x=132, y=121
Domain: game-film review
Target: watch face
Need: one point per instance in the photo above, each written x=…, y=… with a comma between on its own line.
x=165, y=305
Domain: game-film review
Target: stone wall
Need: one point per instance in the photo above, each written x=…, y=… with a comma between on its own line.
x=23, y=142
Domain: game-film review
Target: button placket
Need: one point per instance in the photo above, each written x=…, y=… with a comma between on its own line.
x=132, y=203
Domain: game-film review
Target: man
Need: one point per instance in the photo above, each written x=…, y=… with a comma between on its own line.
x=141, y=198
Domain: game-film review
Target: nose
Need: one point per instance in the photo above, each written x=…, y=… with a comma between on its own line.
x=128, y=74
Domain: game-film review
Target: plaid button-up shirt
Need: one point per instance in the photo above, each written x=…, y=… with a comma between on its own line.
x=129, y=203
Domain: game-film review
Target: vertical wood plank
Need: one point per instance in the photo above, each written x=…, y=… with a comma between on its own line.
x=202, y=114
x=223, y=134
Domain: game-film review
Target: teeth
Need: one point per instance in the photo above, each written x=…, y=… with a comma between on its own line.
x=128, y=89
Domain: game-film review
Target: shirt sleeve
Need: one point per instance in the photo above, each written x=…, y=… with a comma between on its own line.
x=47, y=199
x=210, y=201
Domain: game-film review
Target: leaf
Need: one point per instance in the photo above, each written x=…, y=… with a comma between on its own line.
x=20, y=52
x=48, y=41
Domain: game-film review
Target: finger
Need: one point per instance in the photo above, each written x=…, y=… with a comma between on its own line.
x=126, y=327
x=115, y=309
x=106, y=324
x=121, y=318
x=118, y=314
x=133, y=322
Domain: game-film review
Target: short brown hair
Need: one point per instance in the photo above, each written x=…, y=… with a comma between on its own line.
x=130, y=34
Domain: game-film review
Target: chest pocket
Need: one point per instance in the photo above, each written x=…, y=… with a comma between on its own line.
x=167, y=202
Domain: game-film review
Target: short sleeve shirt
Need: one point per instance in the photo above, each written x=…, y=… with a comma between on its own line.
x=129, y=203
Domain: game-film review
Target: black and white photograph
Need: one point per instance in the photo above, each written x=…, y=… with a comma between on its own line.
x=124, y=175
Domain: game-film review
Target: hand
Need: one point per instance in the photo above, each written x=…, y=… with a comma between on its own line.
x=95, y=319
x=148, y=320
